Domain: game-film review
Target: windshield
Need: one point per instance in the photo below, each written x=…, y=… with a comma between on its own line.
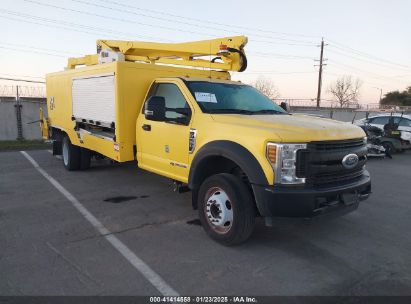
x=215, y=97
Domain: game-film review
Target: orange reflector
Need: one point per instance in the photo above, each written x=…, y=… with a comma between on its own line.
x=223, y=47
x=272, y=153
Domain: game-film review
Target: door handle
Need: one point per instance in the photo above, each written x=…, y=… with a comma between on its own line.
x=146, y=127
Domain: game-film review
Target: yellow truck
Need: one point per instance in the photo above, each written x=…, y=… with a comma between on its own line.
x=173, y=109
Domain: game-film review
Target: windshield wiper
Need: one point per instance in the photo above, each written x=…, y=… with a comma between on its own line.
x=230, y=111
x=246, y=112
x=268, y=111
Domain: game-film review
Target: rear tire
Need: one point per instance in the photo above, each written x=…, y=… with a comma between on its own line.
x=71, y=155
x=226, y=209
x=85, y=158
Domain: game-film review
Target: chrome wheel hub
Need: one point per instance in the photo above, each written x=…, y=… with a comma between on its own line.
x=65, y=153
x=218, y=210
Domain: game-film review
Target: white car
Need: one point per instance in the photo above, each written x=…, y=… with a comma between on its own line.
x=382, y=119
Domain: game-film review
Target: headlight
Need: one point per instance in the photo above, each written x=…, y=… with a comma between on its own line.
x=282, y=158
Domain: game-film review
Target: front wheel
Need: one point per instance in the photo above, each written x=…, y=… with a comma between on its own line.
x=389, y=147
x=226, y=209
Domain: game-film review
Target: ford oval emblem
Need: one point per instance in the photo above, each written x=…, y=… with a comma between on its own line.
x=350, y=161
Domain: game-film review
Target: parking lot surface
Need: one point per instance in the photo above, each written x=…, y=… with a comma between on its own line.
x=49, y=248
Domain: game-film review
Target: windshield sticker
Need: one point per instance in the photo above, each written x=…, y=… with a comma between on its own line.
x=205, y=97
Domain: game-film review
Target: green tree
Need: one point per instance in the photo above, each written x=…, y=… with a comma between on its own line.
x=398, y=98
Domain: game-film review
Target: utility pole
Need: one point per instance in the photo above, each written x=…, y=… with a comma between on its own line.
x=320, y=73
x=18, y=116
x=380, y=96
x=379, y=89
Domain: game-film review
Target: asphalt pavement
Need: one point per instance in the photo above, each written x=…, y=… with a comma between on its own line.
x=48, y=247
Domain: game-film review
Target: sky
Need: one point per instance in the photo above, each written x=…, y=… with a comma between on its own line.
x=369, y=40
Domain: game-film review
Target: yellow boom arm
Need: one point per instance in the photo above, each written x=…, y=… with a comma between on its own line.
x=228, y=53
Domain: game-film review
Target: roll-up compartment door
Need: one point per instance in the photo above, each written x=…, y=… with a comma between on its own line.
x=94, y=98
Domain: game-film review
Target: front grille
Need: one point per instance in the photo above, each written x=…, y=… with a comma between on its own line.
x=321, y=162
x=336, y=145
x=337, y=177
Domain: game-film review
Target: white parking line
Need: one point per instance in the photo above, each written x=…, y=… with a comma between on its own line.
x=130, y=256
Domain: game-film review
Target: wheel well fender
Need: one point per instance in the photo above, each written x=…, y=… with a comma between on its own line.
x=215, y=153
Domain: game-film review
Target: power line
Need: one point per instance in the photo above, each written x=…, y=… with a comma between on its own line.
x=41, y=49
x=26, y=47
x=25, y=76
x=283, y=43
x=22, y=80
x=31, y=51
x=361, y=53
x=48, y=25
x=262, y=54
x=58, y=23
x=349, y=67
x=219, y=29
x=363, y=60
x=141, y=23
x=100, y=29
x=112, y=18
x=207, y=21
x=63, y=25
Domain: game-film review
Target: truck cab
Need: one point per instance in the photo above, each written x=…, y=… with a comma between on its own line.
x=240, y=154
x=292, y=164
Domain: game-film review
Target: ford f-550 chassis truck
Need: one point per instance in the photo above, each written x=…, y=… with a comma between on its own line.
x=174, y=110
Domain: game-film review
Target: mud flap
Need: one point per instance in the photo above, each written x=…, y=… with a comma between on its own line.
x=44, y=126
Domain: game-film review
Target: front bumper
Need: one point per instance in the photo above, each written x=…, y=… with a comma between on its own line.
x=308, y=202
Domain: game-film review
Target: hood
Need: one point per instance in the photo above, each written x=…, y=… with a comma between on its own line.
x=296, y=127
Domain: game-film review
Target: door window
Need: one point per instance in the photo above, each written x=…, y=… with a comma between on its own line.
x=380, y=120
x=174, y=99
x=404, y=122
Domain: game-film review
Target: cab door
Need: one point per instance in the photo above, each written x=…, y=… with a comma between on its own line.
x=164, y=145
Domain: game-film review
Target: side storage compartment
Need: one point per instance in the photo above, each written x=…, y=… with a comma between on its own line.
x=94, y=100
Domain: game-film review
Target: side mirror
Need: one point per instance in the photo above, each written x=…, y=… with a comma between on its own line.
x=155, y=108
x=285, y=106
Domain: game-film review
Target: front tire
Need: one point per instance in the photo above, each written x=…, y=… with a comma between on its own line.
x=389, y=147
x=71, y=155
x=226, y=209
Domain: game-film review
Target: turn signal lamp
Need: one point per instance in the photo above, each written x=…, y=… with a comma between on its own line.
x=272, y=153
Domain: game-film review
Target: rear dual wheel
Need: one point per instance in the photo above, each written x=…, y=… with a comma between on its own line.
x=226, y=209
x=74, y=157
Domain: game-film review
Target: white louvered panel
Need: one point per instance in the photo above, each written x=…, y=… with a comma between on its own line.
x=94, y=98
